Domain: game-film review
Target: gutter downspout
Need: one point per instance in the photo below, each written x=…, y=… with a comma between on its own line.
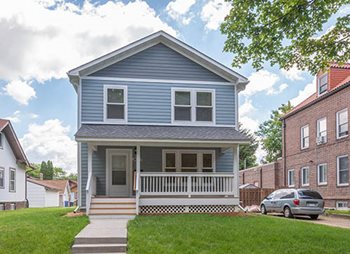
x=284, y=152
x=25, y=184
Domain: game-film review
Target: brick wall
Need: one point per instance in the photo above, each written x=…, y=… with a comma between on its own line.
x=317, y=154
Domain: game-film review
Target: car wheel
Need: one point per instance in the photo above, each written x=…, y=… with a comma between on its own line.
x=263, y=209
x=314, y=217
x=287, y=212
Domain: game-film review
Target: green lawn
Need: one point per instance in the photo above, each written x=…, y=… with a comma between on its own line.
x=38, y=230
x=223, y=234
x=346, y=212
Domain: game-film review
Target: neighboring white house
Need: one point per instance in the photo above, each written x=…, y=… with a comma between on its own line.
x=48, y=193
x=13, y=164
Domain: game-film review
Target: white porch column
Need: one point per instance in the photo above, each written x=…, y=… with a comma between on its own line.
x=235, y=151
x=90, y=148
x=138, y=171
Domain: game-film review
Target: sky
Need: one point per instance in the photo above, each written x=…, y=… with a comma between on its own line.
x=43, y=39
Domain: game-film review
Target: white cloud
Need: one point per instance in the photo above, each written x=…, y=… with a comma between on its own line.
x=50, y=141
x=20, y=91
x=246, y=108
x=280, y=89
x=214, y=13
x=293, y=74
x=42, y=43
x=15, y=117
x=33, y=116
x=308, y=90
x=179, y=10
x=261, y=81
x=249, y=123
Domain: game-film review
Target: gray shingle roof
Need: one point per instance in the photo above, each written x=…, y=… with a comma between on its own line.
x=141, y=132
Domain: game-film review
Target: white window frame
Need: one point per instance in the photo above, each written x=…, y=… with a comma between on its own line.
x=302, y=176
x=302, y=137
x=325, y=174
x=14, y=180
x=338, y=159
x=105, y=101
x=193, y=104
x=318, y=84
x=337, y=119
x=178, y=154
x=345, y=205
x=2, y=169
x=319, y=126
x=291, y=184
x=1, y=140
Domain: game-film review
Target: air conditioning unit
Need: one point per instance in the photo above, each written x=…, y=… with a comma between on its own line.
x=321, y=140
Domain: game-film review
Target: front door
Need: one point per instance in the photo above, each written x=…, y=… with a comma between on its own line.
x=119, y=164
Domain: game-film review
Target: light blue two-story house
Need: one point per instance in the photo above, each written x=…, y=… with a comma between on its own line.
x=158, y=130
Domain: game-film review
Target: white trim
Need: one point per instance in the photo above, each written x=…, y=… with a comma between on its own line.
x=289, y=180
x=109, y=152
x=318, y=84
x=193, y=105
x=125, y=103
x=337, y=122
x=198, y=152
x=14, y=180
x=325, y=174
x=189, y=201
x=345, y=205
x=150, y=81
x=302, y=176
x=318, y=129
x=79, y=104
x=236, y=110
x=302, y=137
x=160, y=124
x=338, y=158
x=1, y=140
x=3, y=177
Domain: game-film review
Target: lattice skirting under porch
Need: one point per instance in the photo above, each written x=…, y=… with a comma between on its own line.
x=187, y=209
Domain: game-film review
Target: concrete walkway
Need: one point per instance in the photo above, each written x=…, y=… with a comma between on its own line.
x=102, y=236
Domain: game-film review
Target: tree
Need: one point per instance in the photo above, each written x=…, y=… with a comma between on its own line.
x=59, y=173
x=247, y=156
x=287, y=33
x=270, y=133
x=34, y=172
x=46, y=168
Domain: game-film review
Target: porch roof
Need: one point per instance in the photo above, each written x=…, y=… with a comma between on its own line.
x=158, y=133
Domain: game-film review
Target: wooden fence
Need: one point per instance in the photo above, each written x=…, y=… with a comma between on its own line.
x=250, y=197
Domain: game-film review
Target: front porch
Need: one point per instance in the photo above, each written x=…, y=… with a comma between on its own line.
x=186, y=179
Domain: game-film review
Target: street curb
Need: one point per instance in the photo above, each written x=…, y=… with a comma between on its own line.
x=342, y=216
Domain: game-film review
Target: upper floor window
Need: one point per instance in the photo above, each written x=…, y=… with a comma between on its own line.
x=2, y=178
x=115, y=103
x=342, y=123
x=12, y=182
x=322, y=174
x=291, y=178
x=304, y=136
x=322, y=84
x=305, y=176
x=322, y=130
x=193, y=106
x=343, y=170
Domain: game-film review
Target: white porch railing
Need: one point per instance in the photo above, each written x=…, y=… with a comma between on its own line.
x=90, y=190
x=186, y=184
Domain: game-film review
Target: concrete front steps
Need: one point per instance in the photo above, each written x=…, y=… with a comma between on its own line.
x=102, y=236
x=102, y=207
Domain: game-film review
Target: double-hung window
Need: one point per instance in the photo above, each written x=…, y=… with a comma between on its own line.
x=12, y=182
x=193, y=106
x=305, y=176
x=115, y=100
x=343, y=170
x=322, y=174
x=342, y=123
x=322, y=84
x=304, y=136
x=322, y=130
x=291, y=178
x=2, y=178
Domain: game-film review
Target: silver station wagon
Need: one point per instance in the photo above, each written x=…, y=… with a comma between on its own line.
x=292, y=202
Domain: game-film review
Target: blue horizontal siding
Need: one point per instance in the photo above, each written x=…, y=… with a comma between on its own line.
x=158, y=62
x=151, y=103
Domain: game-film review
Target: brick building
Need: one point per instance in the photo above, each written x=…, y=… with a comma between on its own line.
x=316, y=143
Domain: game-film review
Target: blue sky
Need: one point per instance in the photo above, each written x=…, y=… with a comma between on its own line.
x=46, y=38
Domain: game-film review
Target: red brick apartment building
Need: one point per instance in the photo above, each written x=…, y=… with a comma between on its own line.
x=316, y=142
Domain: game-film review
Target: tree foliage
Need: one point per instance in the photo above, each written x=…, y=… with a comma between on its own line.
x=50, y=172
x=288, y=33
x=247, y=156
x=270, y=133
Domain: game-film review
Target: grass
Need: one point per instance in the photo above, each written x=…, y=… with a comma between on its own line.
x=223, y=234
x=346, y=212
x=38, y=230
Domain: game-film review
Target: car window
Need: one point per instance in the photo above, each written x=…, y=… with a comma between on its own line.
x=288, y=194
x=309, y=194
x=272, y=195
